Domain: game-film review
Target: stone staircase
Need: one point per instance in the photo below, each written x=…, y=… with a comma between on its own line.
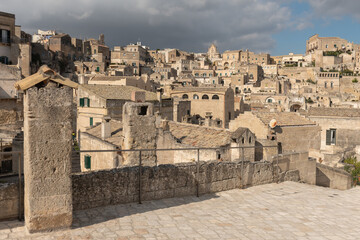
x=75, y=162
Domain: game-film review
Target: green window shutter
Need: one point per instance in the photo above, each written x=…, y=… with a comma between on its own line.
x=88, y=102
x=91, y=121
x=328, y=137
x=81, y=102
x=87, y=162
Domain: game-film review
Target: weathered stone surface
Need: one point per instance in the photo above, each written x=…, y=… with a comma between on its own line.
x=47, y=158
x=9, y=200
x=121, y=185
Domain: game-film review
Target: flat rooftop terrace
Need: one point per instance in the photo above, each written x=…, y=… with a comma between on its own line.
x=274, y=211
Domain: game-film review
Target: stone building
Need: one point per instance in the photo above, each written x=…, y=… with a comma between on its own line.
x=213, y=53
x=140, y=129
x=340, y=129
x=7, y=48
x=97, y=101
x=293, y=132
x=9, y=75
x=219, y=101
x=247, y=57
x=328, y=82
x=96, y=50
x=326, y=44
x=142, y=82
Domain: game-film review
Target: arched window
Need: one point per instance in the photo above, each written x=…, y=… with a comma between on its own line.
x=215, y=97
x=195, y=97
x=204, y=74
x=205, y=97
x=196, y=74
x=269, y=100
x=185, y=96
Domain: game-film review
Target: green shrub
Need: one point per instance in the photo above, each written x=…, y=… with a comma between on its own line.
x=353, y=167
x=310, y=81
x=355, y=80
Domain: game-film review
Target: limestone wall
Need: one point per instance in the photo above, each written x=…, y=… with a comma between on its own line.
x=331, y=177
x=9, y=200
x=121, y=185
x=300, y=162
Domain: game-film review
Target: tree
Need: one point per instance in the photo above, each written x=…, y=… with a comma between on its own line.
x=353, y=167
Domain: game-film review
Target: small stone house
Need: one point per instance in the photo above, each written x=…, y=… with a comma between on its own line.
x=140, y=129
x=293, y=133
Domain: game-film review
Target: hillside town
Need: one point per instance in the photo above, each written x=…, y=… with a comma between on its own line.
x=119, y=104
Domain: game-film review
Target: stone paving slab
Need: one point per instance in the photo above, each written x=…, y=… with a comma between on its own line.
x=274, y=211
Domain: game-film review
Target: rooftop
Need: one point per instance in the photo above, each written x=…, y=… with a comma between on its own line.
x=112, y=78
x=200, y=136
x=283, y=118
x=200, y=89
x=117, y=92
x=334, y=112
x=273, y=211
x=5, y=14
x=43, y=75
x=116, y=132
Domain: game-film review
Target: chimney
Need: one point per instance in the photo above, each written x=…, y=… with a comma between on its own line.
x=208, y=118
x=105, y=128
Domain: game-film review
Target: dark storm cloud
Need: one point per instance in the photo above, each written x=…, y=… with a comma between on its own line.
x=185, y=24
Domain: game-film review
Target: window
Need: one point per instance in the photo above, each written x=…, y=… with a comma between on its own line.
x=215, y=97
x=326, y=46
x=325, y=84
x=142, y=110
x=332, y=85
x=331, y=136
x=185, y=96
x=91, y=122
x=97, y=69
x=205, y=97
x=94, y=51
x=4, y=36
x=204, y=74
x=4, y=60
x=84, y=102
x=250, y=139
x=335, y=46
x=195, y=97
x=196, y=74
x=87, y=162
x=218, y=155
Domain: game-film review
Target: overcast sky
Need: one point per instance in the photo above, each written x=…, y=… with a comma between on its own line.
x=274, y=26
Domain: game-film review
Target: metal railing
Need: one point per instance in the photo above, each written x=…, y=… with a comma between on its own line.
x=197, y=149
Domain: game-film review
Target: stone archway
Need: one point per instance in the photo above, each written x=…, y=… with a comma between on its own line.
x=295, y=108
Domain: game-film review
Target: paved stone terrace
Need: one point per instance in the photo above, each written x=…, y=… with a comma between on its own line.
x=274, y=211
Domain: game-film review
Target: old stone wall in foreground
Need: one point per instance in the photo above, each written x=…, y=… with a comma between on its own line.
x=121, y=185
